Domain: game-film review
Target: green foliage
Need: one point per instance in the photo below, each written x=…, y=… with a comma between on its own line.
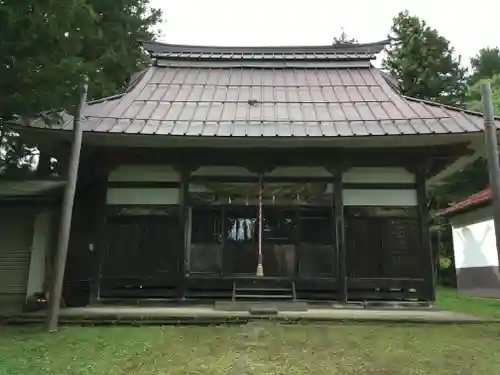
x=112, y=48
x=474, y=95
x=40, y=51
x=473, y=177
x=468, y=181
x=48, y=46
x=423, y=62
x=485, y=64
x=343, y=38
x=425, y=67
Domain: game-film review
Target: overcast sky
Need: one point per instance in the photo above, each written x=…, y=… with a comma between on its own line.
x=468, y=25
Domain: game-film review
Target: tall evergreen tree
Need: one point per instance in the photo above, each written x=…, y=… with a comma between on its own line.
x=344, y=38
x=474, y=177
x=40, y=54
x=112, y=49
x=485, y=64
x=48, y=46
x=423, y=62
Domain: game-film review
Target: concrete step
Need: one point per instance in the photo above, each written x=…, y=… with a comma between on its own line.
x=264, y=296
x=260, y=306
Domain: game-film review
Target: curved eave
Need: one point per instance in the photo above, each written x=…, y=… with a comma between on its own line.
x=42, y=134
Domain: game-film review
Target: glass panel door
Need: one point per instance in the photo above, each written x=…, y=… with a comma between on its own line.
x=241, y=246
x=298, y=229
x=279, y=241
x=241, y=227
x=279, y=249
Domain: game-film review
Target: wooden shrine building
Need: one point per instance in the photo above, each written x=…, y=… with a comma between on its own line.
x=303, y=160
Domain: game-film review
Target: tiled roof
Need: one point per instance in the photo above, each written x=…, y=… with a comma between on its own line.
x=477, y=199
x=325, y=97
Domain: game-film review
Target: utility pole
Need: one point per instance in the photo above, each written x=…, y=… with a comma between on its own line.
x=67, y=212
x=492, y=154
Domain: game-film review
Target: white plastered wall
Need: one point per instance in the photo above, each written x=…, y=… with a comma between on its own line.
x=144, y=173
x=474, y=240
x=369, y=175
x=379, y=197
x=143, y=195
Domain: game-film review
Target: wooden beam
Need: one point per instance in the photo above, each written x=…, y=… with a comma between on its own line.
x=437, y=165
x=267, y=159
x=98, y=240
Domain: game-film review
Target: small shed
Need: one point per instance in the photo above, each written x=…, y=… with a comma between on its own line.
x=27, y=232
x=474, y=243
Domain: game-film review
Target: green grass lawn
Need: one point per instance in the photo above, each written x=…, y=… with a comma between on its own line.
x=262, y=348
x=259, y=348
x=450, y=299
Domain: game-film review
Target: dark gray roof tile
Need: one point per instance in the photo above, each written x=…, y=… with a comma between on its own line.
x=420, y=126
x=436, y=125
x=466, y=122
x=136, y=126
x=105, y=125
x=375, y=128
x=212, y=128
x=150, y=127
x=390, y=127
x=165, y=128
x=181, y=128
x=239, y=129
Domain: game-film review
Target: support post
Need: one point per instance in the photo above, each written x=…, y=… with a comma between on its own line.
x=260, y=268
x=97, y=246
x=492, y=155
x=425, y=238
x=338, y=207
x=52, y=317
x=183, y=217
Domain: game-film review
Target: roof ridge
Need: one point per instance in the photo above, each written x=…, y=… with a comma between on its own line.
x=447, y=106
x=391, y=82
x=106, y=98
x=162, y=47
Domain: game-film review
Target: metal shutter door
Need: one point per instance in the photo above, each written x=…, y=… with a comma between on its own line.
x=16, y=236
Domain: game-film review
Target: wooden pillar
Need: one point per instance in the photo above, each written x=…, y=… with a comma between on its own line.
x=427, y=253
x=338, y=209
x=226, y=259
x=97, y=241
x=298, y=249
x=185, y=172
